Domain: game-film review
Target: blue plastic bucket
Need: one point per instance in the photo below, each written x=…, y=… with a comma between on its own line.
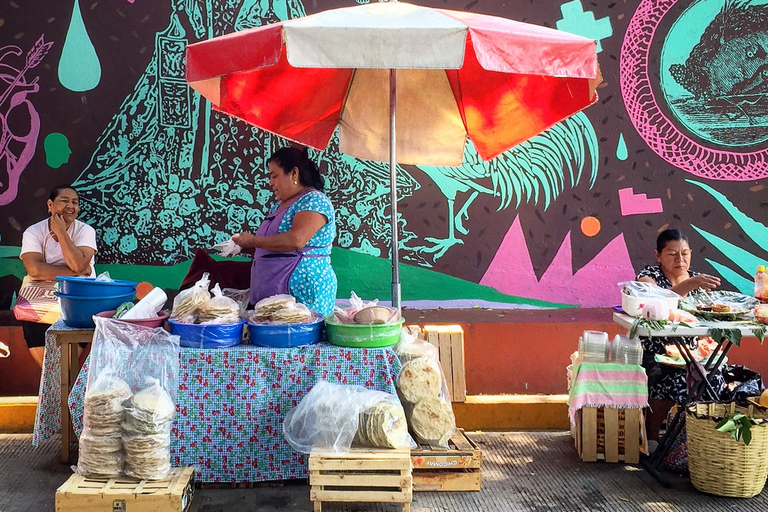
x=286, y=335
x=78, y=311
x=207, y=335
x=90, y=287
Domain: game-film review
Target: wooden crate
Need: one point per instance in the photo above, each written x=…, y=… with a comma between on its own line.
x=449, y=339
x=362, y=475
x=456, y=469
x=609, y=434
x=125, y=494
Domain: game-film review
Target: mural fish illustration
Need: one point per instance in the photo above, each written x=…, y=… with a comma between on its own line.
x=729, y=64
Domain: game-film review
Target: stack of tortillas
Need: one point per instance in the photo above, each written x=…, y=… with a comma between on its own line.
x=101, y=449
x=383, y=426
x=280, y=309
x=420, y=387
x=147, y=433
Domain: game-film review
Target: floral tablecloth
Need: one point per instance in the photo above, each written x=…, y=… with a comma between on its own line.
x=231, y=404
x=48, y=415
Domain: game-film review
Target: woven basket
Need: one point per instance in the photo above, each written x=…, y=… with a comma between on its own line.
x=719, y=464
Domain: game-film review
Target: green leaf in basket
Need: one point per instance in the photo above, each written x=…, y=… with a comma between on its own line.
x=746, y=430
x=725, y=425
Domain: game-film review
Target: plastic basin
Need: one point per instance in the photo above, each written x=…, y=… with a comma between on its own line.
x=363, y=335
x=286, y=335
x=90, y=287
x=207, y=335
x=78, y=311
x=146, y=322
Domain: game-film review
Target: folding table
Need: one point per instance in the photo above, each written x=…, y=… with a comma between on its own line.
x=702, y=389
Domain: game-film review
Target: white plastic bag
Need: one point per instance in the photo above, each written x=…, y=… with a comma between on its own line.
x=227, y=248
x=187, y=302
x=327, y=419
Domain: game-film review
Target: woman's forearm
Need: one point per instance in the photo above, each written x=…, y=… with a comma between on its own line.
x=47, y=272
x=75, y=258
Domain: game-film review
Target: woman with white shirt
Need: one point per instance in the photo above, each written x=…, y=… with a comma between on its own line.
x=60, y=245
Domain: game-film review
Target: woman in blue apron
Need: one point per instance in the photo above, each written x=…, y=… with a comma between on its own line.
x=292, y=247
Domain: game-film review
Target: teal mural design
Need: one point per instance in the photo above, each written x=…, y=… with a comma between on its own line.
x=745, y=261
x=714, y=71
x=534, y=171
x=79, y=66
x=57, y=151
x=148, y=187
x=577, y=21
x=621, y=148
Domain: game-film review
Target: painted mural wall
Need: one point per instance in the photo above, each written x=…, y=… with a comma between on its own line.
x=93, y=93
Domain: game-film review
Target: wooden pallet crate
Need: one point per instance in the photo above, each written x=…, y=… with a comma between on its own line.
x=449, y=339
x=609, y=434
x=125, y=494
x=362, y=475
x=459, y=468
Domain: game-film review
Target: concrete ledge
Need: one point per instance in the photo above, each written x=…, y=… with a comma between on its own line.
x=479, y=412
x=17, y=414
x=512, y=412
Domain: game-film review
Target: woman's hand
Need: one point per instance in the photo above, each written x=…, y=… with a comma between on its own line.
x=703, y=281
x=245, y=240
x=58, y=225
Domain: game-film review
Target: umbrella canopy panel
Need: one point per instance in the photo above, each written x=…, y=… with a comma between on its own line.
x=302, y=78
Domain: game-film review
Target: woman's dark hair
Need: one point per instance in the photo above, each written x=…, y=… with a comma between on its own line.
x=60, y=188
x=289, y=157
x=669, y=235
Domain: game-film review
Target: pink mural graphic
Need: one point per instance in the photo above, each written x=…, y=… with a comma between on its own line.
x=19, y=140
x=594, y=285
x=636, y=204
x=656, y=129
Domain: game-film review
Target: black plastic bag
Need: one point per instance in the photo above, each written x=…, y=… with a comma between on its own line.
x=741, y=383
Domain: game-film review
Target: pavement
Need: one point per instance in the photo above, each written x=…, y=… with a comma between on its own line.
x=522, y=471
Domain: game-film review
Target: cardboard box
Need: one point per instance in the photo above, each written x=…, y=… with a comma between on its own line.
x=125, y=494
x=609, y=434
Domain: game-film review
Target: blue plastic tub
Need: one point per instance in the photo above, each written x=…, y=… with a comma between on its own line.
x=287, y=335
x=78, y=311
x=90, y=287
x=207, y=335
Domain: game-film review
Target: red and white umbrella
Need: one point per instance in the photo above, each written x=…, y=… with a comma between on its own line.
x=403, y=83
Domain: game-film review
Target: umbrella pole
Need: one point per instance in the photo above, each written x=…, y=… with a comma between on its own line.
x=396, y=303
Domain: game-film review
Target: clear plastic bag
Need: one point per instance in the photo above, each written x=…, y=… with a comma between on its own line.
x=242, y=297
x=423, y=390
x=130, y=366
x=347, y=314
x=187, y=302
x=328, y=417
x=219, y=309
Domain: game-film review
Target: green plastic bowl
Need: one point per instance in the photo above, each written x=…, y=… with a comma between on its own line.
x=362, y=335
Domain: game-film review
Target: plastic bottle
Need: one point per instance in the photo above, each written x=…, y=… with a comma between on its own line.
x=764, y=296
x=760, y=282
